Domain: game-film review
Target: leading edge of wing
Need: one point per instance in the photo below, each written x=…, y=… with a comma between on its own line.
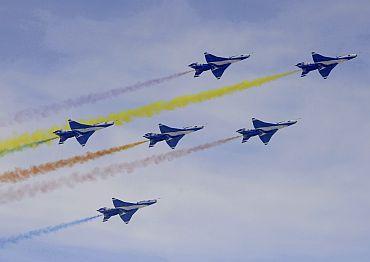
x=126, y=217
x=219, y=70
x=265, y=137
x=172, y=142
x=325, y=71
x=83, y=137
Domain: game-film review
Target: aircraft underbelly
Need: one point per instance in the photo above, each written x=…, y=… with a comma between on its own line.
x=331, y=62
x=269, y=128
x=224, y=62
x=177, y=133
x=128, y=208
x=89, y=129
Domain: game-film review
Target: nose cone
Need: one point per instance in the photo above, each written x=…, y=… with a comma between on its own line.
x=195, y=128
x=292, y=122
x=242, y=57
x=353, y=56
x=147, y=202
x=111, y=123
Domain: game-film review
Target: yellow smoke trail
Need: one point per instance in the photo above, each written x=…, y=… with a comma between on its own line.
x=144, y=111
x=21, y=174
x=26, y=191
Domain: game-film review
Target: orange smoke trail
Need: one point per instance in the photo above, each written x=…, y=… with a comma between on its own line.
x=22, y=174
x=26, y=191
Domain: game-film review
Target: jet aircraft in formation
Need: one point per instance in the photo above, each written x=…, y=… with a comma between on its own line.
x=170, y=134
x=216, y=64
x=81, y=132
x=263, y=129
x=124, y=209
x=323, y=63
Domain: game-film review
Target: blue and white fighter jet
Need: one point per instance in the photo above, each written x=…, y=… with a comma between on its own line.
x=81, y=132
x=124, y=209
x=323, y=63
x=264, y=130
x=216, y=64
x=171, y=135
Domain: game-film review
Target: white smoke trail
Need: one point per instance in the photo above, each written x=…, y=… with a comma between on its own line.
x=30, y=190
x=51, y=109
x=43, y=231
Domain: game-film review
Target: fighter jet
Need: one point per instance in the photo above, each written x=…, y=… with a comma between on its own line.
x=264, y=130
x=323, y=63
x=124, y=209
x=171, y=135
x=216, y=64
x=80, y=131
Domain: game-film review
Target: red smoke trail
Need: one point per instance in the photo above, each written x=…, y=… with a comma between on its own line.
x=13, y=194
x=48, y=110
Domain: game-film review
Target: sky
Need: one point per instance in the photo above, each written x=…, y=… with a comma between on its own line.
x=304, y=197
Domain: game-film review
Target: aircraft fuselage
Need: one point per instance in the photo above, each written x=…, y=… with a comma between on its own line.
x=94, y=127
x=129, y=207
x=216, y=64
x=321, y=62
x=263, y=130
x=172, y=134
x=230, y=60
x=79, y=130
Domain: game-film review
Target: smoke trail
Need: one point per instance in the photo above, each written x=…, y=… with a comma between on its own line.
x=22, y=174
x=26, y=191
x=43, y=231
x=48, y=110
x=147, y=110
x=30, y=145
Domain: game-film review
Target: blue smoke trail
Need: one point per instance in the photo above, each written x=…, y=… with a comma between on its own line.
x=43, y=231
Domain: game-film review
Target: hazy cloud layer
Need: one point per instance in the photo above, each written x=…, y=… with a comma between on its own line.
x=304, y=197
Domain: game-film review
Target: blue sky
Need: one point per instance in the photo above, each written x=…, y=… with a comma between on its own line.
x=304, y=197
